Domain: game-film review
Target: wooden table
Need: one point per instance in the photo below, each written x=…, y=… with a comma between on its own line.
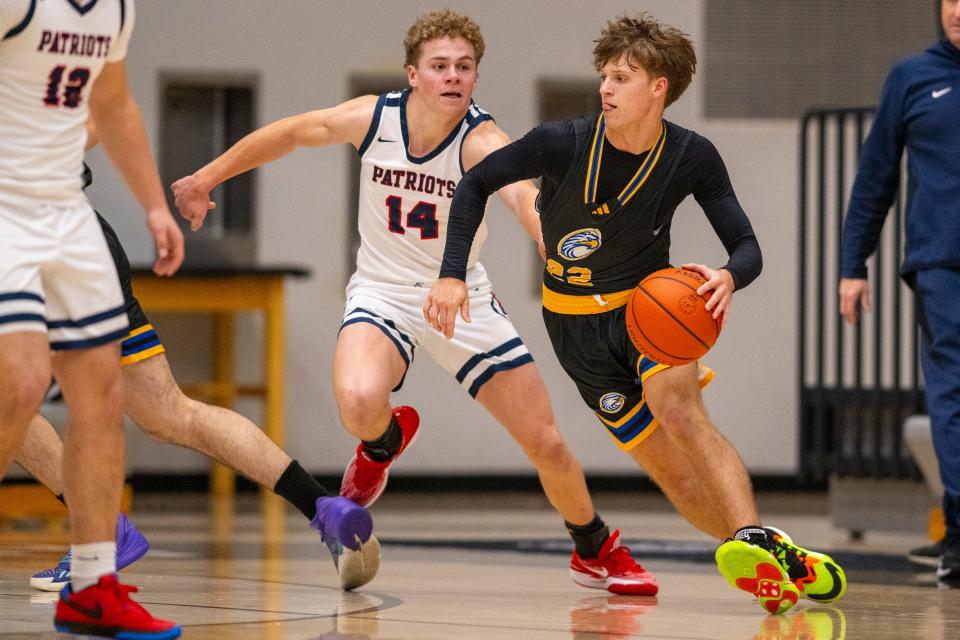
x=223, y=293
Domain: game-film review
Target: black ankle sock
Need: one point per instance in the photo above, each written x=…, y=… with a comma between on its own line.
x=387, y=445
x=588, y=538
x=298, y=487
x=62, y=500
x=753, y=534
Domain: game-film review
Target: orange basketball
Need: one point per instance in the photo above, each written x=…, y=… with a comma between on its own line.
x=667, y=320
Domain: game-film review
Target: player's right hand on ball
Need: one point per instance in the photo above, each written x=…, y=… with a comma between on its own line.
x=445, y=298
x=192, y=200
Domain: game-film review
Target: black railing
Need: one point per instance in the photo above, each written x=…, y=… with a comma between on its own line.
x=857, y=384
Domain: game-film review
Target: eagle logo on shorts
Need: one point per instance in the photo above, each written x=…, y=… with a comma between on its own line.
x=579, y=244
x=612, y=402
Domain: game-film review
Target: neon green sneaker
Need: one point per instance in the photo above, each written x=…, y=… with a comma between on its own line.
x=752, y=568
x=815, y=574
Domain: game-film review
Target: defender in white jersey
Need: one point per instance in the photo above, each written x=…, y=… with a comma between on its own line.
x=415, y=145
x=58, y=286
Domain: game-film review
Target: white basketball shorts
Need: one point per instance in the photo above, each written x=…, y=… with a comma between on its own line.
x=479, y=349
x=56, y=274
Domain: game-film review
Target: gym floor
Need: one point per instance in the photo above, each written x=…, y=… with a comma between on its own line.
x=478, y=566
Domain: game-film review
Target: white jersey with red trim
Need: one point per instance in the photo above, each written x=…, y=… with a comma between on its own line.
x=51, y=52
x=405, y=200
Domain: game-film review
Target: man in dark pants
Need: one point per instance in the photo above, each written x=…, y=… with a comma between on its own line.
x=919, y=111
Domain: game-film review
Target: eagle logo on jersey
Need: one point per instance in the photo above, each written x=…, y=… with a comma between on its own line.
x=579, y=244
x=612, y=402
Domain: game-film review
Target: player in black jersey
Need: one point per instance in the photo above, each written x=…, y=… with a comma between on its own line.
x=611, y=184
x=155, y=402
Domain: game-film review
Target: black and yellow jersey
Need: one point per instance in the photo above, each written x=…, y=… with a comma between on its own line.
x=606, y=214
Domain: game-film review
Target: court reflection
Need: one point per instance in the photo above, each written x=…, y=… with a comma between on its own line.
x=805, y=623
x=609, y=616
x=357, y=618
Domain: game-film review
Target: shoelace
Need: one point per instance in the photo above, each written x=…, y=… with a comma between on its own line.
x=621, y=560
x=789, y=555
x=122, y=592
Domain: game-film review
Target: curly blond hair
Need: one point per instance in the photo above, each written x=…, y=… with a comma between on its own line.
x=439, y=24
x=660, y=49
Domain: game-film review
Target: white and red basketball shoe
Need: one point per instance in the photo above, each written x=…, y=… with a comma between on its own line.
x=614, y=569
x=365, y=479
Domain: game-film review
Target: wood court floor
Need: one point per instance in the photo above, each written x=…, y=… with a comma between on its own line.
x=468, y=566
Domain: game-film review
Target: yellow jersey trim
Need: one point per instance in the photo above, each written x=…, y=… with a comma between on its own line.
x=623, y=420
x=142, y=355
x=139, y=330
x=638, y=179
x=584, y=305
x=640, y=437
x=593, y=164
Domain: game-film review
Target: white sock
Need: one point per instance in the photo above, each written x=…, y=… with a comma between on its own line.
x=89, y=562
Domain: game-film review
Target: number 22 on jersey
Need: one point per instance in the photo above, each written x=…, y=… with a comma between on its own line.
x=579, y=276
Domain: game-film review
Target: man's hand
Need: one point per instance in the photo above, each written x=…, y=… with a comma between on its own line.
x=168, y=240
x=854, y=295
x=720, y=282
x=192, y=200
x=445, y=297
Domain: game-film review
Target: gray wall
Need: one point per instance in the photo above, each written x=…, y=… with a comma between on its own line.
x=304, y=52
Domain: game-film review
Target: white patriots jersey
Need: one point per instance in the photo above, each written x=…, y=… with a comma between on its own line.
x=405, y=201
x=51, y=52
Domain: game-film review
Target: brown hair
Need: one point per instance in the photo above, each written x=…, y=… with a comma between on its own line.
x=659, y=49
x=439, y=24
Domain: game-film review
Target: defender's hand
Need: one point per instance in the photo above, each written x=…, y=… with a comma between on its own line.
x=446, y=296
x=192, y=200
x=720, y=282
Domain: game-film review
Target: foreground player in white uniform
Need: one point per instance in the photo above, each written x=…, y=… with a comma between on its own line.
x=415, y=146
x=58, y=286
x=153, y=399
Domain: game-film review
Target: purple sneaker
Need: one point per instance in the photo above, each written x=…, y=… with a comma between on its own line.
x=131, y=545
x=347, y=530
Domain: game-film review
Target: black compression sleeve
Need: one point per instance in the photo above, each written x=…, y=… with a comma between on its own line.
x=731, y=225
x=714, y=192
x=545, y=150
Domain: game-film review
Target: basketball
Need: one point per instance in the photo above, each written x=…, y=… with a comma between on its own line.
x=667, y=320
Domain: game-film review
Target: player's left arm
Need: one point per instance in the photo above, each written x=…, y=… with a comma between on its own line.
x=714, y=192
x=119, y=126
x=520, y=197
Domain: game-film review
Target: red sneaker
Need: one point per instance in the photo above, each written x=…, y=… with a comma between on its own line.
x=105, y=609
x=614, y=569
x=365, y=479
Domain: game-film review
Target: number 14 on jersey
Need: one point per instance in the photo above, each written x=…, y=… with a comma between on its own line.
x=422, y=216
